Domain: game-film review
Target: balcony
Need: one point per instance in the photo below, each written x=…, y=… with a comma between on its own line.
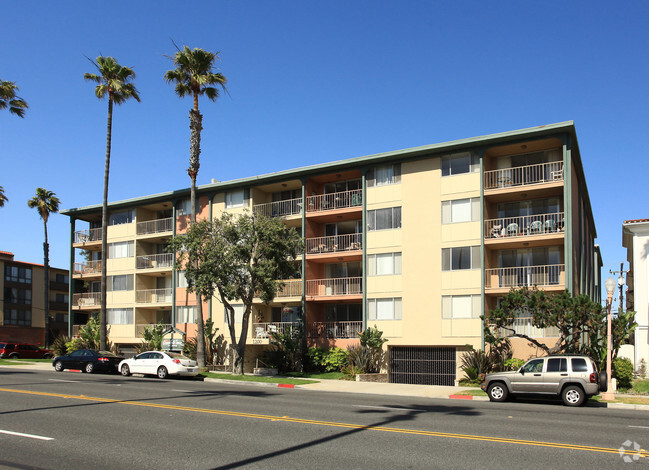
x=151, y=227
x=523, y=326
x=87, y=236
x=292, y=288
x=343, y=286
x=335, y=330
x=334, y=244
x=334, y=201
x=551, y=172
x=153, y=296
x=89, y=267
x=279, y=208
x=552, y=275
x=164, y=260
x=140, y=327
x=86, y=300
x=529, y=225
x=266, y=330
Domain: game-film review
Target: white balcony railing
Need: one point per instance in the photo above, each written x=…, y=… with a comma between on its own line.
x=334, y=286
x=164, y=260
x=86, y=236
x=153, y=296
x=332, y=201
x=524, y=175
x=86, y=299
x=89, y=267
x=149, y=227
x=525, y=276
x=279, y=208
x=524, y=226
x=523, y=326
x=335, y=329
x=265, y=330
x=336, y=243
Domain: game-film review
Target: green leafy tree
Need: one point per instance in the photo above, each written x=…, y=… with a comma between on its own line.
x=194, y=76
x=3, y=198
x=113, y=82
x=9, y=99
x=237, y=258
x=46, y=203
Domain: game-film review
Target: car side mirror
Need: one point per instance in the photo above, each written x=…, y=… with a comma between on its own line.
x=521, y=370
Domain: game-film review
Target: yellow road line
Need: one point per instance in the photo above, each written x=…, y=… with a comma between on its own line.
x=642, y=453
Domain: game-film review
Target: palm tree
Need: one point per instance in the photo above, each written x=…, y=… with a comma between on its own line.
x=194, y=76
x=3, y=198
x=8, y=99
x=113, y=81
x=46, y=203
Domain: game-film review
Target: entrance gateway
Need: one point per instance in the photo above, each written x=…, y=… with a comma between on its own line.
x=422, y=365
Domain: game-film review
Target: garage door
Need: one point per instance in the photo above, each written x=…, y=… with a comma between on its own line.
x=422, y=365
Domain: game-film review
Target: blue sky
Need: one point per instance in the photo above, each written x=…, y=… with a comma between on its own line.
x=312, y=82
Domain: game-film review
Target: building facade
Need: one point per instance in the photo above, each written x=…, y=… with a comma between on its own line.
x=419, y=242
x=23, y=303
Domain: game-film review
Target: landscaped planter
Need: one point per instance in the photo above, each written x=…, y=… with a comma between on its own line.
x=372, y=378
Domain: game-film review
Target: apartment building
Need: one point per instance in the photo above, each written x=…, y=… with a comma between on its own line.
x=419, y=242
x=23, y=303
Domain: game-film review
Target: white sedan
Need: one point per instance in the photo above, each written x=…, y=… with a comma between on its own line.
x=159, y=363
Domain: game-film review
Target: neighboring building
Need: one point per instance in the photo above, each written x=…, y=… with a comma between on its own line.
x=22, y=303
x=635, y=238
x=419, y=242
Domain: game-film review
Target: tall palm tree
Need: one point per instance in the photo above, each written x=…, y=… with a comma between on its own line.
x=46, y=203
x=194, y=76
x=8, y=99
x=3, y=198
x=113, y=81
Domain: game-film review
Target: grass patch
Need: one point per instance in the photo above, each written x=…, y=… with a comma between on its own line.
x=641, y=386
x=257, y=378
x=17, y=362
x=318, y=375
x=473, y=393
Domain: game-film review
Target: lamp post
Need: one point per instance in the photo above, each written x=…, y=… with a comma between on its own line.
x=609, y=395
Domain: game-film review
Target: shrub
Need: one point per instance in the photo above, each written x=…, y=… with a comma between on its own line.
x=351, y=371
x=474, y=362
x=514, y=363
x=623, y=372
x=372, y=338
x=189, y=349
x=153, y=336
x=59, y=345
x=326, y=360
x=286, y=352
x=363, y=359
x=88, y=337
x=641, y=372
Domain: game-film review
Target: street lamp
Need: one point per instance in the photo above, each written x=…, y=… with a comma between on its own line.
x=609, y=395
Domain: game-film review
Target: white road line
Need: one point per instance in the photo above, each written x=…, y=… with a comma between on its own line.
x=186, y=391
x=31, y=436
x=642, y=427
x=61, y=380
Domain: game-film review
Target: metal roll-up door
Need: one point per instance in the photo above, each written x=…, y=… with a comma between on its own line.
x=422, y=365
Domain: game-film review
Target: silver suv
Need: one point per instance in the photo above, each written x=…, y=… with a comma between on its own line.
x=572, y=377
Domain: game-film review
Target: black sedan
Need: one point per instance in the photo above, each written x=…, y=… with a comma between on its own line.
x=87, y=360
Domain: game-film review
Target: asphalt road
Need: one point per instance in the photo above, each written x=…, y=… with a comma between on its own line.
x=72, y=420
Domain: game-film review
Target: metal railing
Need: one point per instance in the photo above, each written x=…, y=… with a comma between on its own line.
x=292, y=288
x=164, y=260
x=87, y=299
x=523, y=326
x=335, y=329
x=334, y=286
x=332, y=201
x=139, y=328
x=549, y=275
x=524, y=226
x=332, y=244
x=89, y=267
x=85, y=236
x=155, y=226
x=279, y=208
x=265, y=330
x=153, y=296
x=524, y=175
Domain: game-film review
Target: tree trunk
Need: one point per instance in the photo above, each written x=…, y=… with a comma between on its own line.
x=104, y=229
x=239, y=354
x=46, y=287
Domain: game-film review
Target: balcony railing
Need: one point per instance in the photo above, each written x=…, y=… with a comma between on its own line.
x=525, y=276
x=523, y=326
x=332, y=201
x=89, y=267
x=139, y=328
x=164, y=260
x=337, y=329
x=332, y=244
x=87, y=299
x=153, y=296
x=265, y=330
x=85, y=236
x=149, y=227
x=279, y=208
x=292, y=288
x=524, y=175
x=524, y=226
x=334, y=286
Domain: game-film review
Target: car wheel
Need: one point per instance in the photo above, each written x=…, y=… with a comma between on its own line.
x=603, y=381
x=497, y=392
x=13, y=356
x=58, y=366
x=125, y=370
x=90, y=368
x=573, y=395
x=162, y=372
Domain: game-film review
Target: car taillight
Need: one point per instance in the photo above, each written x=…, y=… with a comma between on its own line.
x=104, y=359
x=176, y=361
x=593, y=378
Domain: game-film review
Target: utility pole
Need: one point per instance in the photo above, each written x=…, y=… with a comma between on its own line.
x=620, y=282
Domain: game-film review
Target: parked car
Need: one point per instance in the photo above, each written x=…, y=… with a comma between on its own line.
x=574, y=378
x=159, y=363
x=23, y=351
x=88, y=360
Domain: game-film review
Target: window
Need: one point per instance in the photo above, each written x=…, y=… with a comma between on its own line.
x=384, y=309
x=120, y=250
x=461, y=306
x=383, y=175
x=124, y=217
x=186, y=314
x=382, y=264
x=184, y=207
x=17, y=317
x=384, y=219
x=341, y=186
x=343, y=312
x=238, y=313
x=557, y=364
x=63, y=278
x=459, y=163
x=461, y=257
x=18, y=274
x=579, y=364
x=15, y=295
x=120, y=283
x=119, y=316
x=234, y=199
x=461, y=210
x=62, y=298
x=181, y=280
x=535, y=365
